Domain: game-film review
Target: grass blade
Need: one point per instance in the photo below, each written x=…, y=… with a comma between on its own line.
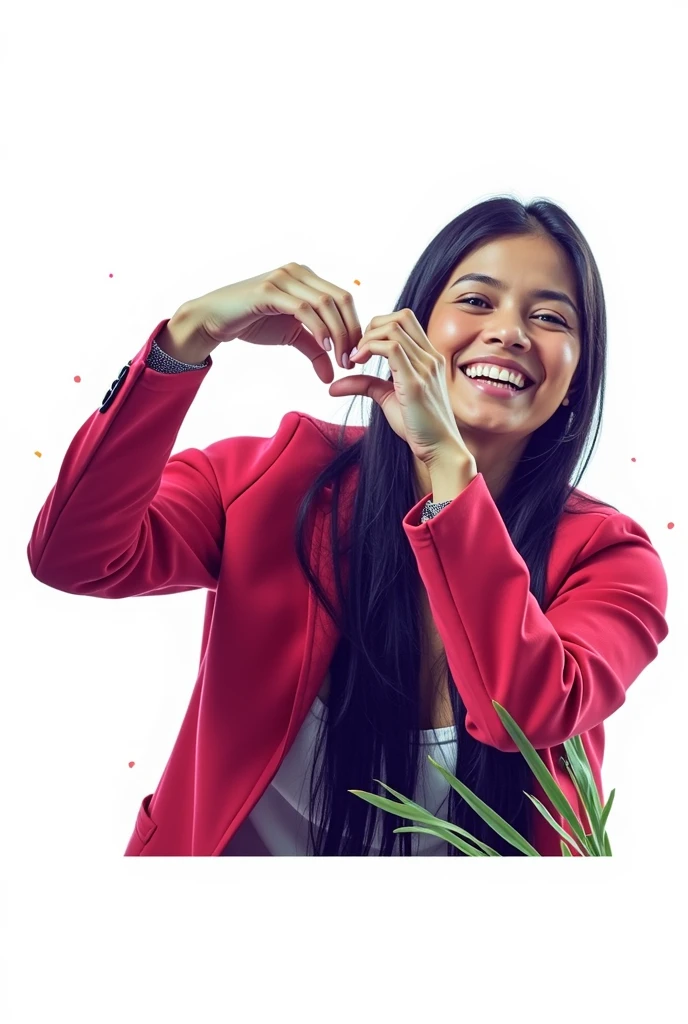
x=541, y=773
x=565, y=850
x=555, y=824
x=607, y=809
x=448, y=837
x=592, y=845
x=581, y=765
x=424, y=815
x=584, y=781
x=500, y=826
x=416, y=813
x=442, y=823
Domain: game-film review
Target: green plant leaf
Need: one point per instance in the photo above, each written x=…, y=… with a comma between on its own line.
x=581, y=766
x=440, y=822
x=555, y=824
x=400, y=809
x=424, y=815
x=594, y=848
x=607, y=809
x=584, y=781
x=448, y=837
x=500, y=826
x=541, y=773
x=407, y=809
x=579, y=771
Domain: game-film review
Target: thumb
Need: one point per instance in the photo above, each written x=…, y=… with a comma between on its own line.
x=322, y=365
x=308, y=345
x=361, y=384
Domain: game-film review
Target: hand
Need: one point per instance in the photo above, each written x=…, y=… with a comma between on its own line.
x=271, y=308
x=415, y=402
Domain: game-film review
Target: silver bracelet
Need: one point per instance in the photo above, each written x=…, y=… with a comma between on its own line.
x=430, y=509
x=164, y=363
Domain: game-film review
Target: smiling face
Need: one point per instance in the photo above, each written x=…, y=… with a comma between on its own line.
x=474, y=320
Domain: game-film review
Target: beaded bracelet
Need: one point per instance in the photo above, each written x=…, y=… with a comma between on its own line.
x=430, y=509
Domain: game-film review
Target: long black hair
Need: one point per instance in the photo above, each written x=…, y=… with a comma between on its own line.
x=374, y=702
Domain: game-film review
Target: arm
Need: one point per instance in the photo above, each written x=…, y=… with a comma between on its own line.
x=561, y=672
x=124, y=518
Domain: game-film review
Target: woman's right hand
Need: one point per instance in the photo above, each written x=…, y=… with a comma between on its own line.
x=275, y=309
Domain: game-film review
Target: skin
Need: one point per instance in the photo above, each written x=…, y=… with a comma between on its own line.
x=542, y=335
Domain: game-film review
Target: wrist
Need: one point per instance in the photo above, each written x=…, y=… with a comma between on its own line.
x=451, y=478
x=183, y=338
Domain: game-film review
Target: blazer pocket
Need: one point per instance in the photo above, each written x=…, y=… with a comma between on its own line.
x=145, y=826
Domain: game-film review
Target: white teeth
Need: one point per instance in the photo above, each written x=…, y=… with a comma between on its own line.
x=495, y=373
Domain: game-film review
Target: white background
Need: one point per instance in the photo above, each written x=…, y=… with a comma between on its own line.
x=152, y=153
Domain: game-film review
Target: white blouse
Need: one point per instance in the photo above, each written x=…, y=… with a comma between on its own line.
x=278, y=824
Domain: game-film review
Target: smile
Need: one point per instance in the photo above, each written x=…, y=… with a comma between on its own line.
x=493, y=388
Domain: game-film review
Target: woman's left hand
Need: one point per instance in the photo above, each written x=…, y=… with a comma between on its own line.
x=415, y=402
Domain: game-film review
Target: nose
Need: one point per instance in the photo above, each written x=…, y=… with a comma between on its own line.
x=508, y=335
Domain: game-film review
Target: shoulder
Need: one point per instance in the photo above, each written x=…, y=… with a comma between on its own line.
x=588, y=519
x=300, y=440
x=330, y=432
x=598, y=542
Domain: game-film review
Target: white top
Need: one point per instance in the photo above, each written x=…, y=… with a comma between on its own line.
x=278, y=824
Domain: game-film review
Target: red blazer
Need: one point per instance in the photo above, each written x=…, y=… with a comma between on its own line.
x=126, y=519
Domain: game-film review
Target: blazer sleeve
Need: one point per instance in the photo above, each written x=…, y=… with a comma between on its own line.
x=558, y=672
x=124, y=519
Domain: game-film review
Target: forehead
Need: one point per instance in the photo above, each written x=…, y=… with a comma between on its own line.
x=520, y=261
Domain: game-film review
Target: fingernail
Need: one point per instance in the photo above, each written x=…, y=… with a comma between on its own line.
x=354, y=350
x=345, y=362
x=327, y=345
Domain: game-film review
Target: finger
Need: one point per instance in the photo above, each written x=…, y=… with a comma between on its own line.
x=305, y=343
x=333, y=305
x=308, y=345
x=406, y=353
x=323, y=367
x=360, y=384
x=294, y=300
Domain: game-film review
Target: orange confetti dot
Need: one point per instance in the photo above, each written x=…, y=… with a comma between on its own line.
x=670, y=526
x=357, y=282
x=77, y=380
x=132, y=763
x=38, y=454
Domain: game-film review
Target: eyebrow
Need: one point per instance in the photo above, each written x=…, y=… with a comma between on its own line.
x=541, y=293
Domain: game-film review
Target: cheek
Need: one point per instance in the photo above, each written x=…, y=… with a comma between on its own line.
x=560, y=366
x=568, y=359
x=444, y=332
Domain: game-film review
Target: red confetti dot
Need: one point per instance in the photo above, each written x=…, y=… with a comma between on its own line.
x=132, y=763
x=77, y=380
x=111, y=275
x=670, y=526
x=632, y=460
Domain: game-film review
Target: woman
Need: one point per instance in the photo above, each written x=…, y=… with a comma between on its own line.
x=366, y=603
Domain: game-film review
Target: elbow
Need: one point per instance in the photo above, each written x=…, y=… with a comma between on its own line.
x=541, y=735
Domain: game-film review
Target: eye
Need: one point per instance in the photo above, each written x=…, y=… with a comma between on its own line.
x=553, y=319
